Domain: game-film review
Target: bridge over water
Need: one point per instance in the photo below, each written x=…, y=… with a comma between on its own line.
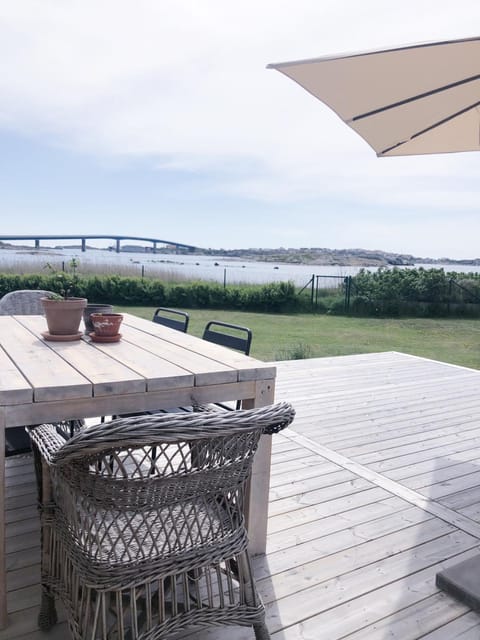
x=117, y=239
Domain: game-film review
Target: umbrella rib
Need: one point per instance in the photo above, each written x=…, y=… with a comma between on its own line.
x=429, y=128
x=417, y=97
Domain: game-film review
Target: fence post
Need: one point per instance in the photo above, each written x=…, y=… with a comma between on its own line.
x=348, y=288
x=313, y=290
x=225, y=278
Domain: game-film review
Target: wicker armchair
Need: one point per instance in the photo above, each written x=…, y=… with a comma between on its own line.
x=23, y=302
x=143, y=532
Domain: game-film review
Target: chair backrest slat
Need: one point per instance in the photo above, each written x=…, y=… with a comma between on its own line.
x=172, y=318
x=233, y=336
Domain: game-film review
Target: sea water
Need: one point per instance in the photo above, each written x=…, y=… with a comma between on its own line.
x=222, y=269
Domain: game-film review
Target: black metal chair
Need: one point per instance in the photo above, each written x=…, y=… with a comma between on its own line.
x=235, y=337
x=172, y=318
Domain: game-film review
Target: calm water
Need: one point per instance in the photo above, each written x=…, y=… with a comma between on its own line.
x=217, y=269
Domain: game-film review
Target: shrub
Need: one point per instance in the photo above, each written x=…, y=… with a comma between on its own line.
x=386, y=292
x=299, y=351
x=115, y=289
x=418, y=292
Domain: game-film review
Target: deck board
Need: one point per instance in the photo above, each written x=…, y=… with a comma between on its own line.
x=374, y=489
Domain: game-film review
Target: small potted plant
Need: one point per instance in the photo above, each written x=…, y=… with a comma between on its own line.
x=106, y=326
x=94, y=307
x=64, y=311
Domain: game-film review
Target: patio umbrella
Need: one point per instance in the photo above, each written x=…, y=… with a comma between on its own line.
x=418, y=99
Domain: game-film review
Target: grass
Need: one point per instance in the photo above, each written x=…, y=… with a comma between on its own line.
x=279, y=337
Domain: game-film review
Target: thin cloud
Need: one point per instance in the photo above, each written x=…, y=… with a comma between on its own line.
x=182, y=86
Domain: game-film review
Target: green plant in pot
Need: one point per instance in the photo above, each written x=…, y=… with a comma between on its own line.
x=64, y=311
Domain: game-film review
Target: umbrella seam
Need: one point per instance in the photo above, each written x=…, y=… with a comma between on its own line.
x=432, y=126
x=417, y=97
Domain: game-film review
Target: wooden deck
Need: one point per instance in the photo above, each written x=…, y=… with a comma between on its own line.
x=374, y=489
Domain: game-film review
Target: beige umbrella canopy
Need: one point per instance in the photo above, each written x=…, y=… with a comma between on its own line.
x=411, y=100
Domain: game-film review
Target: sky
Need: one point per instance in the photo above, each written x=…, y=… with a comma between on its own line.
x=159, y=118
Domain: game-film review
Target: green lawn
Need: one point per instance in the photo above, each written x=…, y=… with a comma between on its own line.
x=277, y=337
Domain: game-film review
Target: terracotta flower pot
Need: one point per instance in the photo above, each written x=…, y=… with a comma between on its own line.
x=63, y=315
x=93, y=307
x=106, y=324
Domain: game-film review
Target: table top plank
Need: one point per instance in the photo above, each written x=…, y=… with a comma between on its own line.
x=158, y=372
x=51, y=377
x=206, y=370
x=196, y=350
x=107, y=375
x=14, y=389
x=149, y=358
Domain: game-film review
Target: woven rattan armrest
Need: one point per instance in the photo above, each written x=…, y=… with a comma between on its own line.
x=47, y=439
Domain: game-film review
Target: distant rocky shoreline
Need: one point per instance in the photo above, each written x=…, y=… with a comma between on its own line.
x=306, y=256
x=335, y=257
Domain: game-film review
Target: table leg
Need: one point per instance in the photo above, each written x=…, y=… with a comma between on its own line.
x=256, y=508
x=3, y=574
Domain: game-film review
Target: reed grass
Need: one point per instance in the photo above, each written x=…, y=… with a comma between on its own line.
x=21, y=266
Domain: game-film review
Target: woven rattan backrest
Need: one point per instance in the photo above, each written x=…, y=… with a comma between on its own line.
x=171, y=428
x=179, y=479
x=24, y=302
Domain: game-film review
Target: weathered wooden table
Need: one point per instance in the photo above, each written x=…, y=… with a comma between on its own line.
x=151, y=367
